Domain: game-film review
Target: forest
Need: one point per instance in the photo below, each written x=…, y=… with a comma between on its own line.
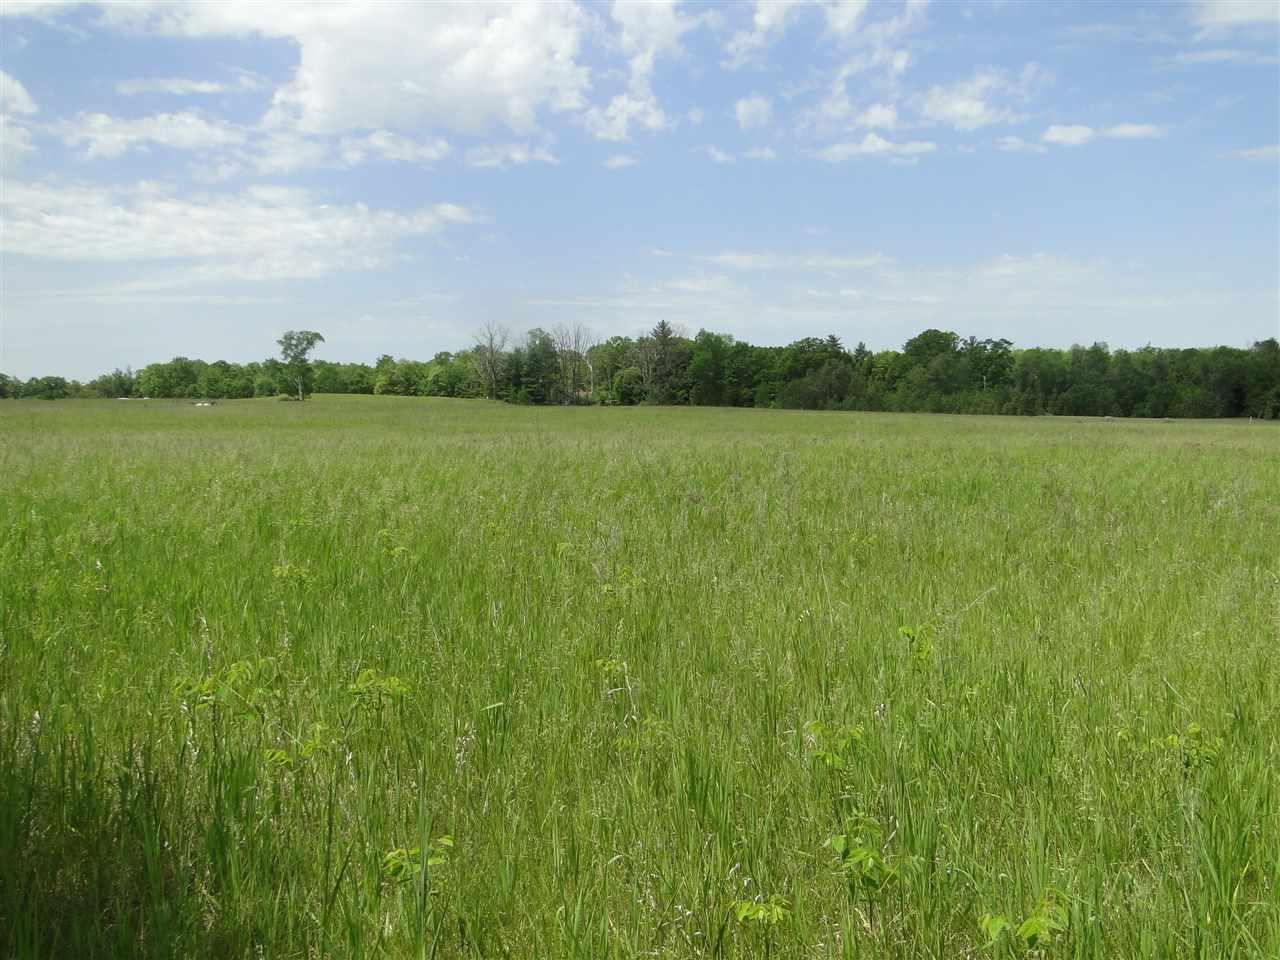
x=936, y=371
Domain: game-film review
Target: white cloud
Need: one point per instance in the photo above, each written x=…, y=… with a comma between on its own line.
x=753, y=112
x=1075, y=134
x=844, y=19
x=716, y=155
x=768, y=23
x=468, y=67
x=392, y=146
x=647, y=31
x=105, y=136
x=215, y=171
x=614, y=121
x=508, y=155
x=1226, y=14
x=287, y=153
x=767, y=260
x=15, y=140
x=695, y=116
x=972, y=104
x=1133, y=131
x=1226, y=55
x=259, y=234
x=1018, y=145
x=620, y=160
x=1070, y=135
x=879, y=61
x=38, y=9
x=844, y=16
x=883, y=116
x=701, y=283
x=176, y=86
x=15, y=143
x=874, y=145
x=1271, y=152
x=14, y=97
x=184, y=86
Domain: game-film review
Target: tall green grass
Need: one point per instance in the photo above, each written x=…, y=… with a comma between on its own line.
x=373, y=677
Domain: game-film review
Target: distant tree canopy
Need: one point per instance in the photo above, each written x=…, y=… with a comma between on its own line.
x=935, y=371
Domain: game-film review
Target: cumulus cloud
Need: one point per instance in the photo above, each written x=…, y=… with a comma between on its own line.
x=1133, y=131
x=753, y=112
x=1069, y=135
x=1271, y=152
x=1227, y=14
x=771, y=18
x=1226, y=55
x=761, y=153
x=768, y=22
x=614, y=121
x=15, y=143
x=470, y=67
x=38, y=9
x=185, y=86
x=982, y=100
x=874, y=145
x=105, y=136
x=1075, y=134
x=844, y=16
x=770, y=260
x=883, y=116
x=287, y=153
x=392, y=146
x=261, y=233
x=1018, y=145
x=508, y=155
x=878, y=59
x=647, y=32
x=717, y=155
x=15, y=140
x=620, y=160
x=14, y=97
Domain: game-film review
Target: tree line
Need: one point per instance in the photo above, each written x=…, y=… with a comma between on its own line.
x=935, y=371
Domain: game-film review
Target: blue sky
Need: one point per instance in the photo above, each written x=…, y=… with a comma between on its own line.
x=194, y=179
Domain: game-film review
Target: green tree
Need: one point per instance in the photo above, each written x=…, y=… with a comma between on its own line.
x=628, y=386
x=295, y=350
x=664, y=363
x=707, y=368
x=47, y=388
x=117, y=383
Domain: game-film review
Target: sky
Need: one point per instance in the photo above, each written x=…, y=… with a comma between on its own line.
x=194, y=179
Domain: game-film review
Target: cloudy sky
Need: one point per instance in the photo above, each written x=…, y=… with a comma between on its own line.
x=193, y=179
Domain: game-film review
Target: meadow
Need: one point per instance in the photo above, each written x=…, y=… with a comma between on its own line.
x=402, y=677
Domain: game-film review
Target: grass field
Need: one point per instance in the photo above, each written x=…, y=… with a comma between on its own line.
x=376, y=677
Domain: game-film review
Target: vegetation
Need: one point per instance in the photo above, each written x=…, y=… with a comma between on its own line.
x=383, y=677
x=936, y=371
x=295, y=351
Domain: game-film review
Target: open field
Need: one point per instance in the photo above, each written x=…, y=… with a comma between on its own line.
x=385, y=677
